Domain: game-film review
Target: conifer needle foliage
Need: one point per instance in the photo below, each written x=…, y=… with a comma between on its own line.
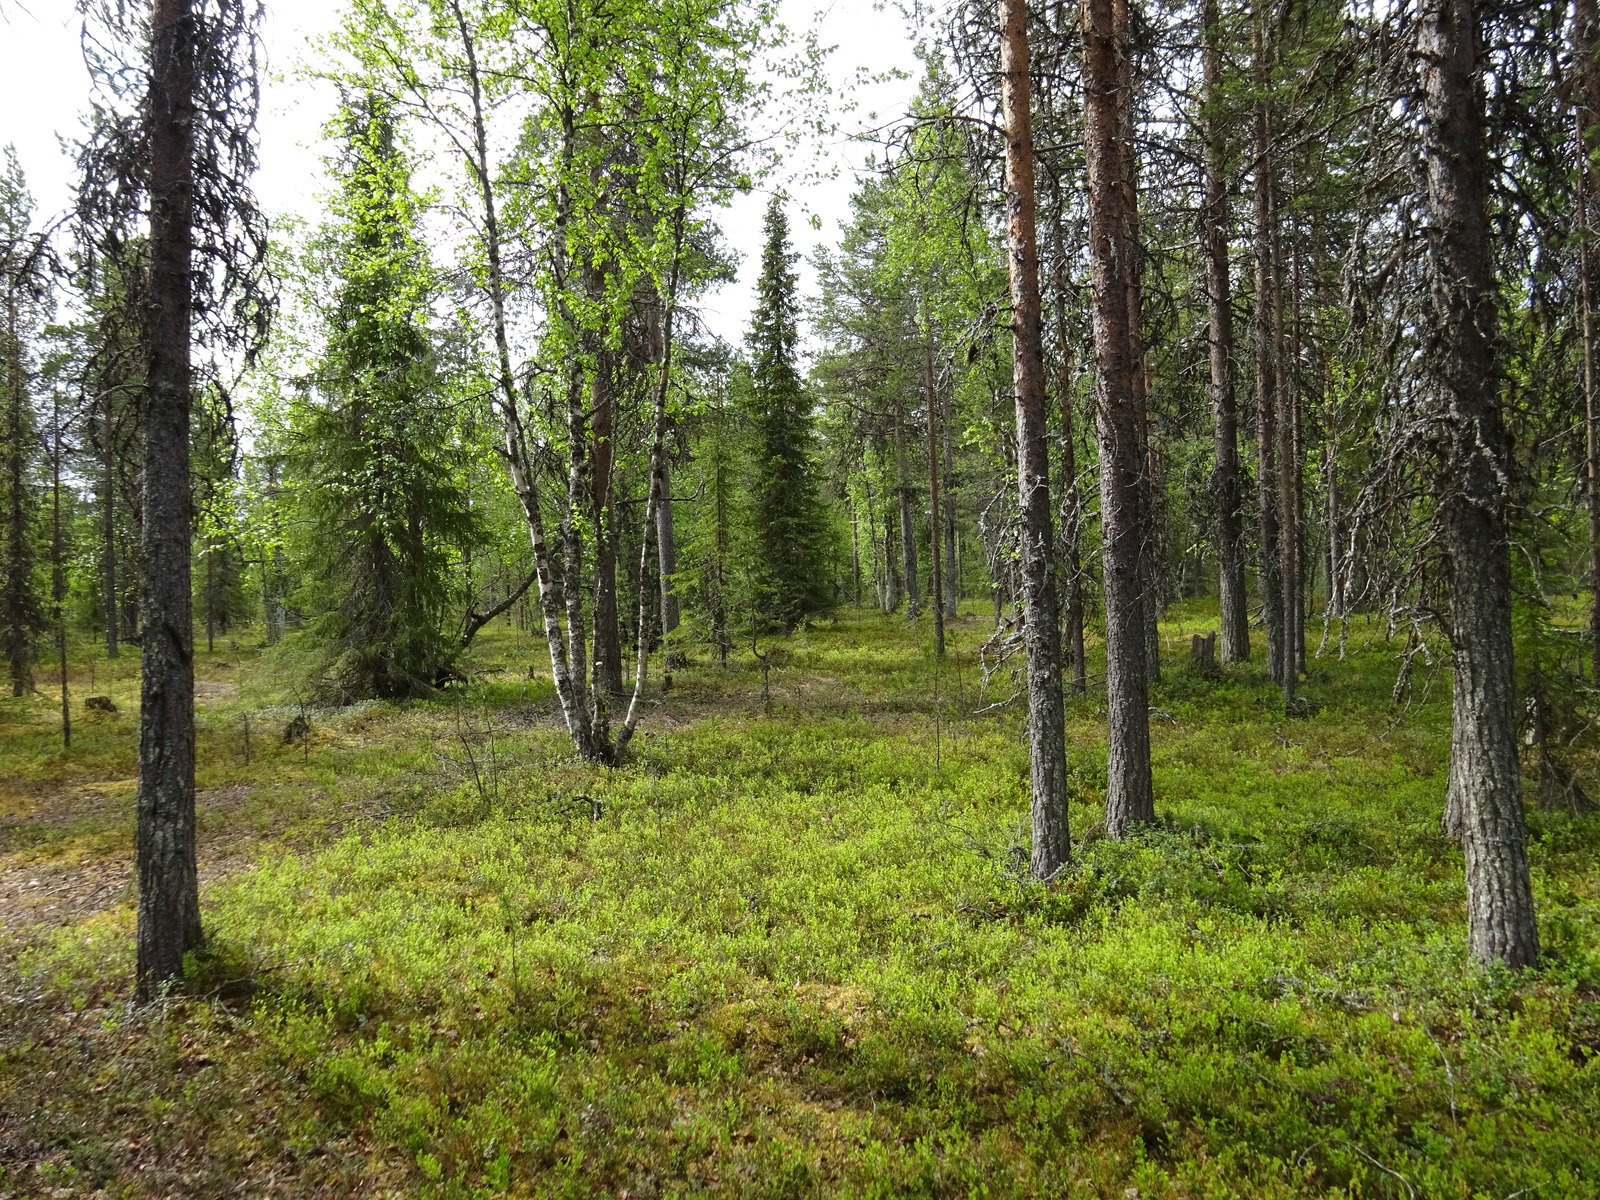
x=378, y=447
x=791, y=529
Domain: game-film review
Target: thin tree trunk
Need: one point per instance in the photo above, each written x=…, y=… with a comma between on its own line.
x=908, y=520
x=1119, y=417
x=880, y=568
x=607, y=633
x=667, y=561
x=58, y=566
x=935, y=524
x=1152, y=548
x=1077, y=659
x=908, y=554
x=855, y=551
x=1268, y=513
x=570, y=691
x=280, y=611
x=1288, y=474
x=211, y=599
x=19, y=437
x=1071, y=532
x=1297, y=483
x=658, y=495
x=1304, y=578
x=1334, y=610
x=1586, y=119
x=952, y=565
x=719, y=602
x=108, y=527
x=1226, y=491
x=1484, y=806
x=1047, y=747
x=169, y=895
x=580, y=490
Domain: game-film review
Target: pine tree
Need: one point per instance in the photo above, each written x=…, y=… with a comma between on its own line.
x=378, y=451
x=792, y=533
x=1484, y=801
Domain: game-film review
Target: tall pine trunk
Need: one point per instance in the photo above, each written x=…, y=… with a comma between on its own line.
x=1129, y=797
x=1484, y=805
x=1297, y=472
x=1227, y=494
x=1152, y=567
x=1047, y=747
x=169, y=897
x=1586, y=118
x=1268, y=515
x=1288, y=472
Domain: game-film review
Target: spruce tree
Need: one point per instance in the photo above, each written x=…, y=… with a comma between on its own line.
x=379, y=454
x=21, y=613
x=791, y=529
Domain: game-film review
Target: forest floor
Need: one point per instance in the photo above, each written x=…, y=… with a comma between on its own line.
x=789, y=949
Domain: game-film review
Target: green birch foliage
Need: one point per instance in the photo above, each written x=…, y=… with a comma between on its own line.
x=792, y=529
x=376, y=444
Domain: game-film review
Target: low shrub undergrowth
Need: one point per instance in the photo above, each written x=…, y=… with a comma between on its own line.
x=796, y=953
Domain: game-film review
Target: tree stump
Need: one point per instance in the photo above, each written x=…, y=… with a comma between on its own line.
x=1203, y=653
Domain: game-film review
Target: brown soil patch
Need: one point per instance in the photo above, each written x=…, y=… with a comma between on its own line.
x=63, y=892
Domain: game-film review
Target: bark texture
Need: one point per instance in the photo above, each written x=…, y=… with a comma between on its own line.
x=607, y=631
x=1484, y=807
x=1047, y=748
x=1226, y=492
x=169, y=898
x=1069, y=561
x=952, y=571
x=19, y=602
x=908, y=521
x=1288, y=480
x=108, y=530
x=1269, y=515
x=1586, y=118
x=935, y=522
x=1129, y=797
x=667, y=563
x=571, y=689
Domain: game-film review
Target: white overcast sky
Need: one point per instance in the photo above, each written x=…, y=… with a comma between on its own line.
x=44, y=90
